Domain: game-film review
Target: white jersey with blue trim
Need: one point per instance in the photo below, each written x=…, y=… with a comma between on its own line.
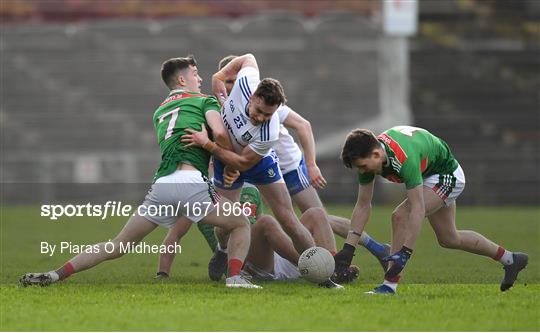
x=260, y=138
x=287, y=150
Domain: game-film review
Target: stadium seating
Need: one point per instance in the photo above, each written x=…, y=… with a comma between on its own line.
x=91, y=88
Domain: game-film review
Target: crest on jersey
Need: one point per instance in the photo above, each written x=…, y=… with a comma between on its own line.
x=271, y=173
x=247, y=136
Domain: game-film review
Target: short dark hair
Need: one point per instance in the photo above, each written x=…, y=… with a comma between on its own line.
x=360, y=143
x=271, y=91
x=171, y=67
x=223, y=62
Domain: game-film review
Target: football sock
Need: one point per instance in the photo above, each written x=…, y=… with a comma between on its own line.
x=54, y=276
x=374, y=247
x=503, y=256
x=235, y=265
x=65, y=271
x=392, y=285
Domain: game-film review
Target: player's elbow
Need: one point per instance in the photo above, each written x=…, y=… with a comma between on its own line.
x=306, y=125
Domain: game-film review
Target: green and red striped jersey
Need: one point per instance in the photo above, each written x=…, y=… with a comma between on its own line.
x=413, y=154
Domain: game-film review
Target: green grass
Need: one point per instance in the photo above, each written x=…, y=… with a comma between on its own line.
x=441, y=290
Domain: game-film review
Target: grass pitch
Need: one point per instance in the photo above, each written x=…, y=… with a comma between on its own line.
x=441, y=289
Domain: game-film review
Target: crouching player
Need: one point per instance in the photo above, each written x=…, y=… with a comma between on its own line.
x=434, y=179
x=181, y=177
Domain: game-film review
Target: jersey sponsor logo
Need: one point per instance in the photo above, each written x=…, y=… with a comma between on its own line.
x=247, y=136
x=395, y=147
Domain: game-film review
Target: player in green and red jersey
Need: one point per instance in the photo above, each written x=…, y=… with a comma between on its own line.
x=434, y=179
x=180, y=181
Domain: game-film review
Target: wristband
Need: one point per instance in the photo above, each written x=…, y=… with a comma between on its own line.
x=210, y=147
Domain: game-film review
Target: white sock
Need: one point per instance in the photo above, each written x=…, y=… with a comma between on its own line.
x=220, y=249
x=54, y=276
x=364, y=238
x=392, y=285
x=507, y=258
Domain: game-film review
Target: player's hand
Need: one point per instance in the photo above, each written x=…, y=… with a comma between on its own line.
x=218, y=89
x=344, y=258
x=315, y=176
x=194, y=138
x=229, y=176
x=399, y=260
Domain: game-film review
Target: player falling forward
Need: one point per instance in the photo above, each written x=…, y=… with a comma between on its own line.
x=434, y=179
x=301, y=175
x=249, y=114
x=181, y=177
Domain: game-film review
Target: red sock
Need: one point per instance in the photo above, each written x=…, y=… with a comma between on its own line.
x=68, y=270
x=235, y=265
x=499, y=254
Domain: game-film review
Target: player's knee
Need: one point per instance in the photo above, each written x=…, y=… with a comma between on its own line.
x=449, y=242
x=314, y=217
x=269, y=225
x=238, y=222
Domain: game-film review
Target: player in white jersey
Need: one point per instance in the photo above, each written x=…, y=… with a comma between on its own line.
x=272, y=255
x=249, y=114
x=300, y=172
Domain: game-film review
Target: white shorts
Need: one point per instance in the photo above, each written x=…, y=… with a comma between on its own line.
x=283, y=270
x=182, y=193
x=447, y=186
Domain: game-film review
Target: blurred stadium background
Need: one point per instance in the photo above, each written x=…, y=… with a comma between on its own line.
x=80, y=81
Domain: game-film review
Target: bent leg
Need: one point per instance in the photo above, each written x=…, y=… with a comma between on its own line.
x=267, y=238
x=316, y=221
x=237, y=227
x=279, y=201
x=443, y=223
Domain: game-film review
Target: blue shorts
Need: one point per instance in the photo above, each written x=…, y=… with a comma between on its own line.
x=297, y=180
x=266, y=171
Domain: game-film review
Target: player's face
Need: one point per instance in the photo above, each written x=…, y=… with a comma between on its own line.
x=371, y=164
x=191, y=79
x=229, y=83
x=259, y=112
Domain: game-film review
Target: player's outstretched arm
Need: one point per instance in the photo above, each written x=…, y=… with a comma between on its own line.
x=360, y=216
x=417, y=213
x=305, y=134
x=231, y=69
